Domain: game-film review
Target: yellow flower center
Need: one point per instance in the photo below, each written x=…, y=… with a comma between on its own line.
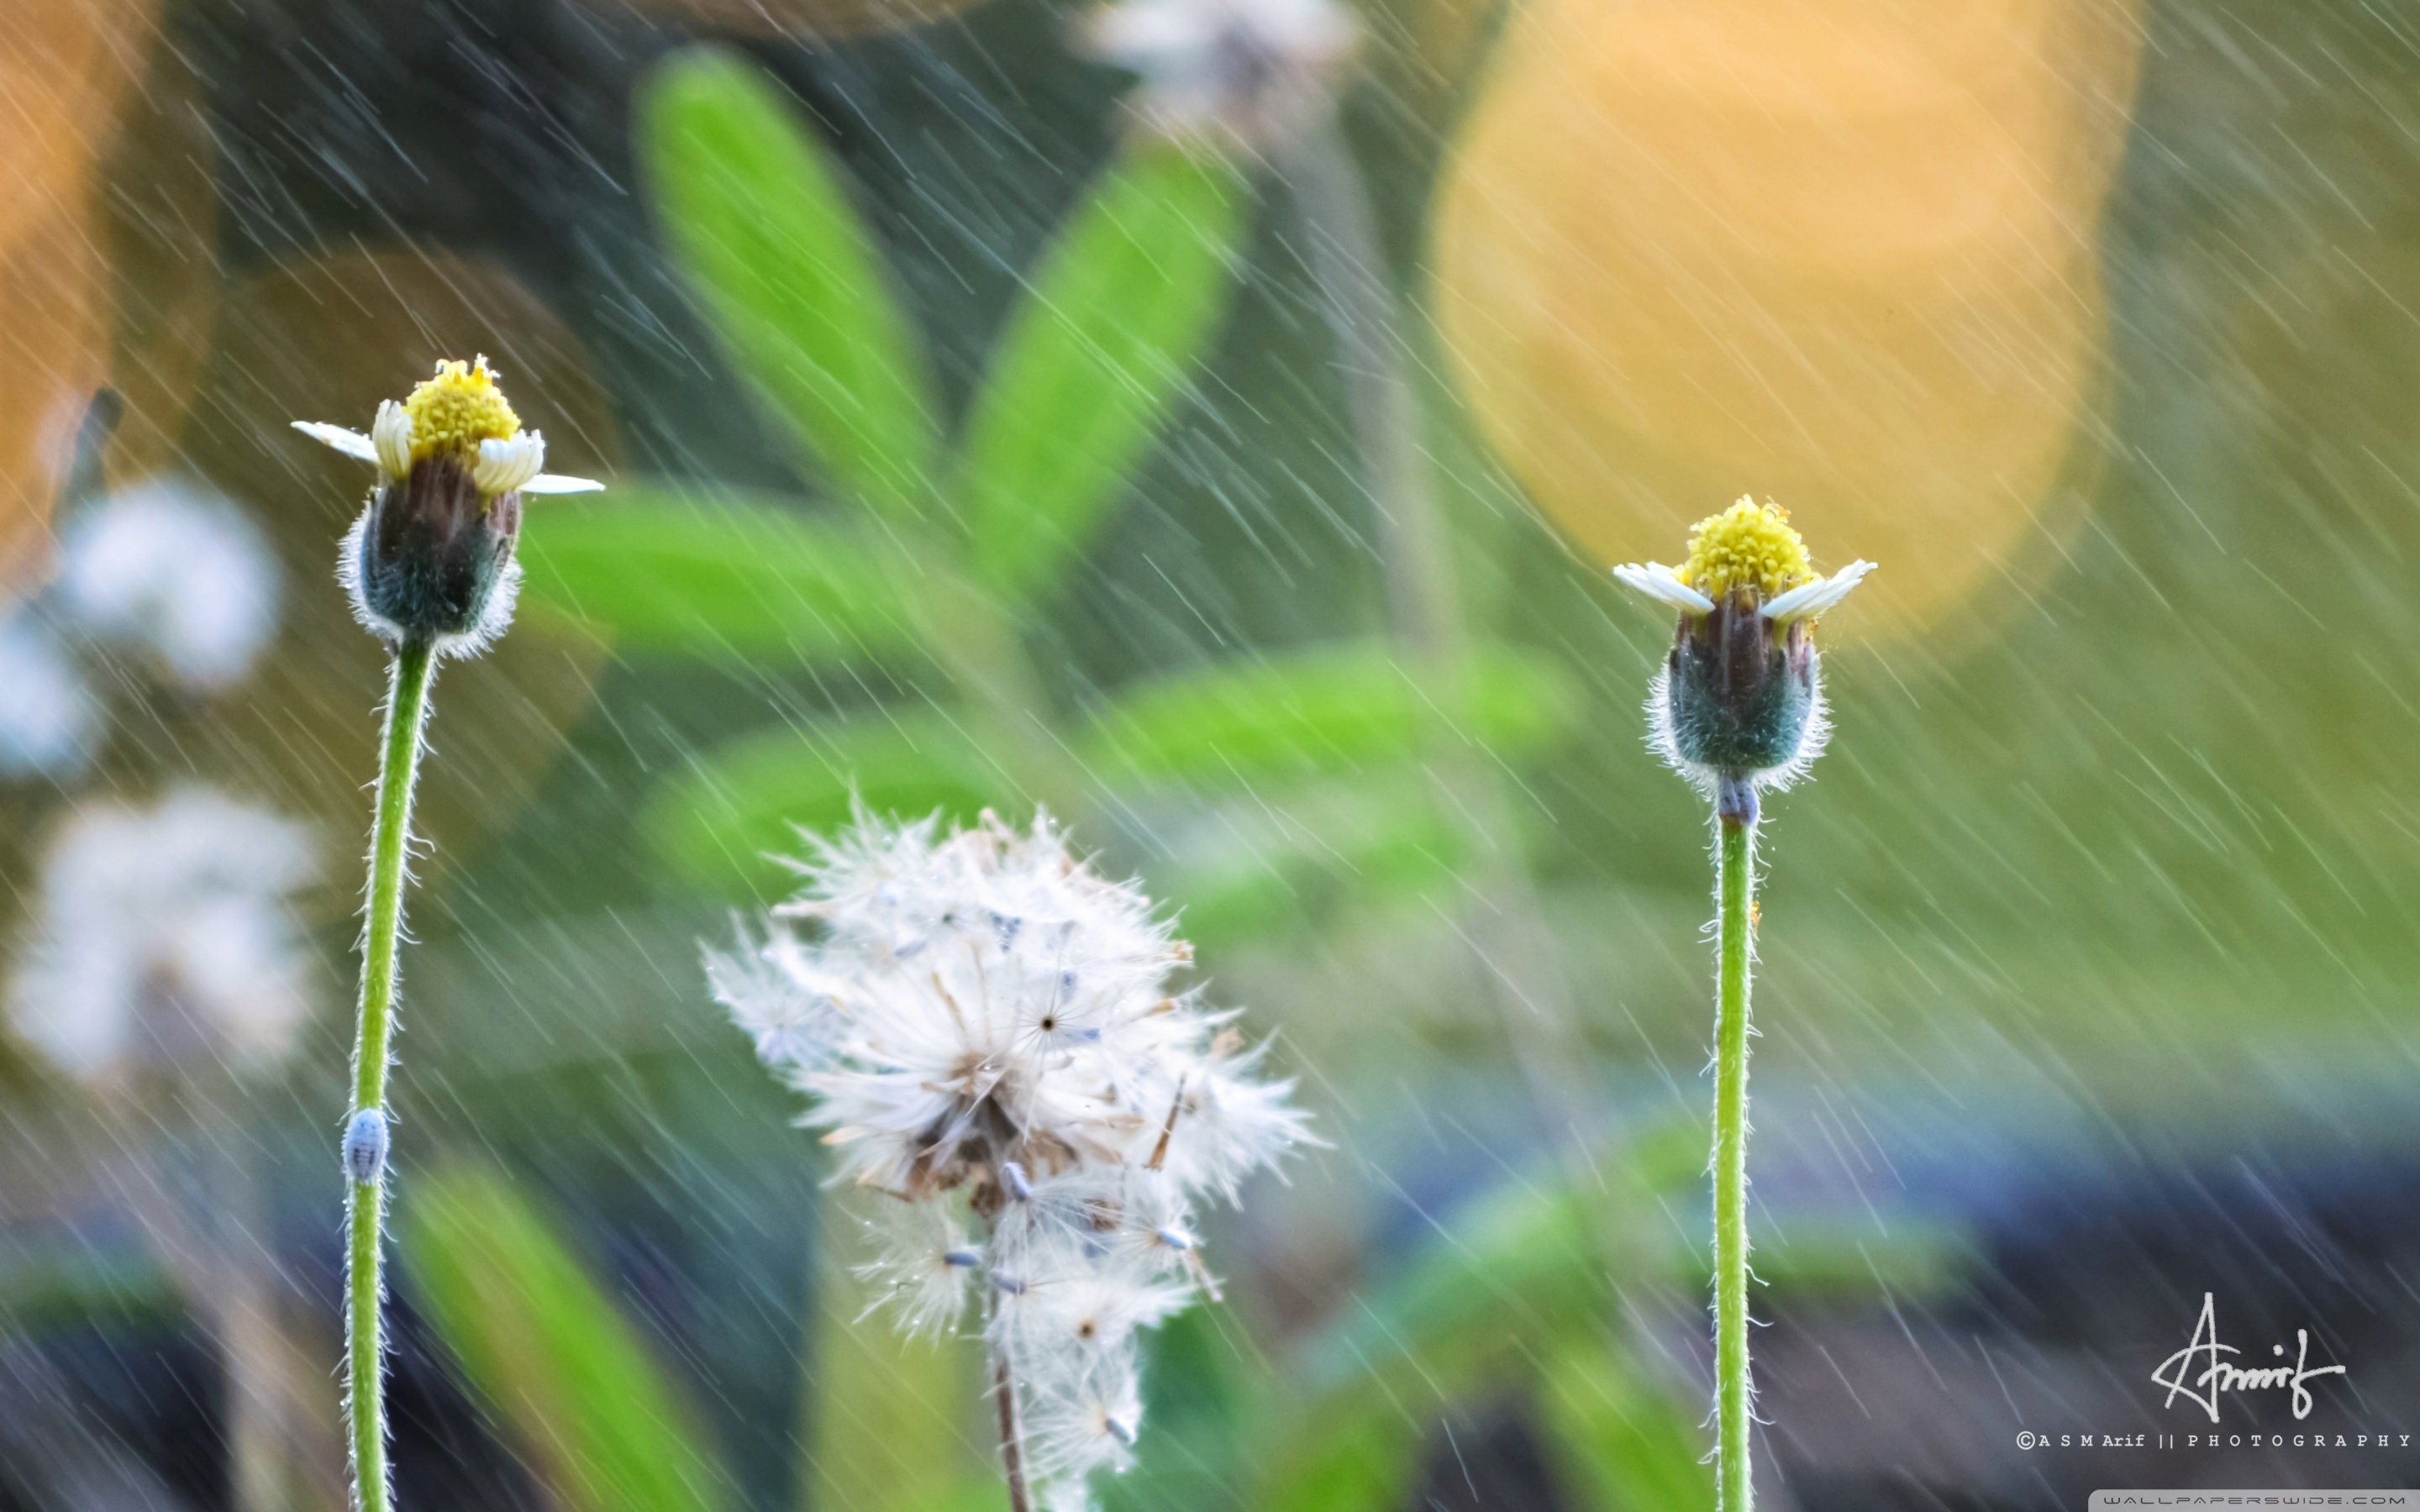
x=457, y=410
x=1746, y=546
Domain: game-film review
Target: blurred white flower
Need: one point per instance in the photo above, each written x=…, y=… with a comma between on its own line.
x=986, y=1030
x=177, y=571
x=1248, y=72
x=161, y=936
x=49, y=718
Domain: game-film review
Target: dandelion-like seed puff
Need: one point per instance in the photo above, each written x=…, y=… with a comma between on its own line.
x=1225, y=73
x=1738, y=707
x=986, y=1030
x=161, y=941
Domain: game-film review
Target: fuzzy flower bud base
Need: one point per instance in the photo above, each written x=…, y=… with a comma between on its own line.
x=1739, y=704
x=1740, y=696
x=431, y=554
x=987, y=1032
x=431, y=559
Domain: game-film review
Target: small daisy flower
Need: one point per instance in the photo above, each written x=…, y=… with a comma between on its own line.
x=177, y=572
x=162, y=939
x=1247, y=72
x=1739, y=704
x=985, y=1031
x=432, y=555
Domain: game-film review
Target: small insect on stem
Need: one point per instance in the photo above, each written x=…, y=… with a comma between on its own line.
x=365, y=1147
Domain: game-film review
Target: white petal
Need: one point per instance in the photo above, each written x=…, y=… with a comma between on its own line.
x=392, y=432
x=1811, y=599
x=351, y=442
x=506, y=465
x=1659, y=582
x=557, y=483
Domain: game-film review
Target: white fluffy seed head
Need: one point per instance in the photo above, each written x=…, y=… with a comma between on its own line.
x=162, y=940
x=923, y=1269
x=988, y=1033
x=1079, y=1419
x=1247, y=74
x=178, y=573
x=50, y=719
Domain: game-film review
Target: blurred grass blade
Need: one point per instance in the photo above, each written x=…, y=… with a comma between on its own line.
x=660, y=571
x=1849, y=1259
x=1617, y=1436
x=549, y=1354
x=744, y=802
x=763, y=225
x=1523, y=1262
x=894, y=1423
x=1326, y=712
x=1112, y=326
x=1194, y=1384
x=1510, y=1280
x=1358, y=1461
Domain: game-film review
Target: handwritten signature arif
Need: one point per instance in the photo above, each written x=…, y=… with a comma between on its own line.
x=2218, y=1377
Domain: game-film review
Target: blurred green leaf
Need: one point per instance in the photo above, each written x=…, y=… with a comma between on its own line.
x=45, y=1288
x=1627, y=1444
x=1521, y=1262
x=1524, y=1260
x=1503, y=1282
x=762, y=223
x=663, y=571
x=549, y=1354
x=1528, y=1275
x=1360, y=1462
x=1261, y=869
x=744, y=803
x=1112, y=324
x=1914, y=1256
x=1193, y=1383
x=1334, y=711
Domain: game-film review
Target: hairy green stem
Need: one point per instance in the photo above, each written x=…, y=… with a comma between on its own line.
x=406, y=715
x=1736, y=882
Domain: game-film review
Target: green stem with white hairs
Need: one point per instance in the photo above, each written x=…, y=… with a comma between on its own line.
x=407, y=716
x=1735, y=886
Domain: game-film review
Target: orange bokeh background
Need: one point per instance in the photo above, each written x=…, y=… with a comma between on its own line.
x=64, y=69
x=1837, y=252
